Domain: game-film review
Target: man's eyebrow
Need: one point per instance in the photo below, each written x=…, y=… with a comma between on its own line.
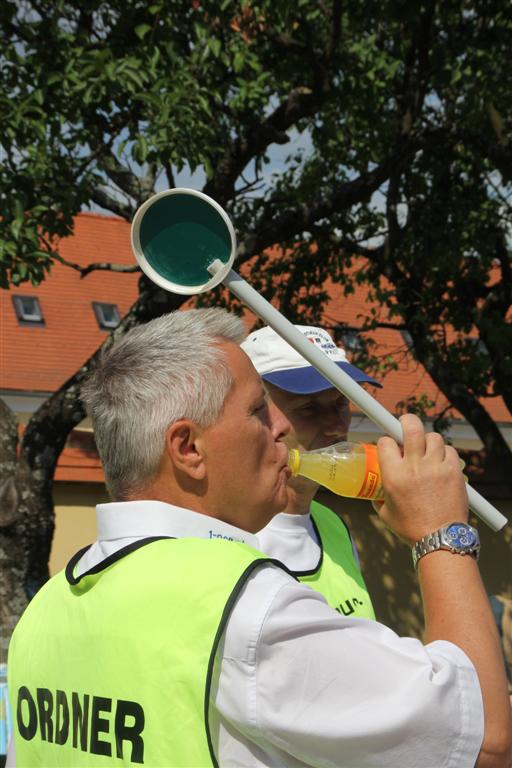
x=260, y=395
x=301, y=399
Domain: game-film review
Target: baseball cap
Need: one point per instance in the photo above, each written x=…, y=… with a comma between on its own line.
x=279, y=364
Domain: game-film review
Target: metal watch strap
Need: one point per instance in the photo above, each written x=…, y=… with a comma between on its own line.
x=432, y=543
x=429, y=543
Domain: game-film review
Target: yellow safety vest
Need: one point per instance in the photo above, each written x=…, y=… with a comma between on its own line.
x=337, y=576
x=114, y=667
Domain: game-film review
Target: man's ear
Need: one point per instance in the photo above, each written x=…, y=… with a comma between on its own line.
x=183, y=448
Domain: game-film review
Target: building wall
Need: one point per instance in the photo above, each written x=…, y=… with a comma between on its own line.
x=386, y=562
x=75, y=520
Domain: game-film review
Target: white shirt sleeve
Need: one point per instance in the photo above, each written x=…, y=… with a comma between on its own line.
x=299, y=684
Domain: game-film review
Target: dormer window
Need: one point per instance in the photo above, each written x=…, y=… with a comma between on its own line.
x=107, y=315
x=28, y=310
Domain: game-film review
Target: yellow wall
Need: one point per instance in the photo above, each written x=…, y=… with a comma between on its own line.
x=75, y=520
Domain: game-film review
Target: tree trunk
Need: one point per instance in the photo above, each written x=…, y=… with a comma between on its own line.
x=18, y=528
x=497, y=451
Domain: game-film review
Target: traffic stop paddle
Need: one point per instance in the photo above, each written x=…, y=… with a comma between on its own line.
x=185, y=243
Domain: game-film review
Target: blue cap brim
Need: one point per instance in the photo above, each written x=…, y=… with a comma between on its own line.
x=307, y=380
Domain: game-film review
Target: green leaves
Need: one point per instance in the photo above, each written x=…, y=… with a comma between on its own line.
x=141, y=30
x=112, y=97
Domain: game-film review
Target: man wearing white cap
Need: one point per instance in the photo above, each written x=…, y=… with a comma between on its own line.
x=310, y=539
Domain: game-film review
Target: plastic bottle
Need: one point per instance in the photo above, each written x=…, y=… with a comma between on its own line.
x=348, y=469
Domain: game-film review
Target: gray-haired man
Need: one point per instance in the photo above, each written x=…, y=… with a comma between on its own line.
x=172, y=641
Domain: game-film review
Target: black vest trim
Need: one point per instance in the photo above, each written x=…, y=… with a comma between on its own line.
x=317, y=567
x=224, y=619
x=315, y=570
x=107, y=562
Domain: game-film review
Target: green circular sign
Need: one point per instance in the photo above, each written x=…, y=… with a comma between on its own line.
x=181, y=234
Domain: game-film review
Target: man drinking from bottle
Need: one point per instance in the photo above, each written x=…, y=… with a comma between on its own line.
x=308, y=537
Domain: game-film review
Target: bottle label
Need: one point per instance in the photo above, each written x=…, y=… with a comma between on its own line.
x=371, y=487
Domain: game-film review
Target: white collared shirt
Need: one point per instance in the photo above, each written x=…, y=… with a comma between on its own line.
x=297, y=684
x=292, y=540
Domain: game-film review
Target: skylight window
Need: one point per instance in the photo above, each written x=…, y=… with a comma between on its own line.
x=28, y=310
x=107, y=315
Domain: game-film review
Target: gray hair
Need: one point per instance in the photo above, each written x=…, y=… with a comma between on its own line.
x=168, y=369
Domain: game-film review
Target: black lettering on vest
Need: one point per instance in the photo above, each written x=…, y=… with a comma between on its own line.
x=349, y=609
x=45, y=707
x=132, y=732
x=51, y=711
x=100, y=725
x=80, y=720
x=61, y=718
x=27, y=731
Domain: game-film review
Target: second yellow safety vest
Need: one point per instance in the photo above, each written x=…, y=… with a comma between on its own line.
x=337, y=576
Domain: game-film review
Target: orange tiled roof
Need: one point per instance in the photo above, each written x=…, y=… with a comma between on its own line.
x=79, y=461
x=40, y=359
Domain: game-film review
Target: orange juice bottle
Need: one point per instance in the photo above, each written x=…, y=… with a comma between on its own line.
x=348, y=469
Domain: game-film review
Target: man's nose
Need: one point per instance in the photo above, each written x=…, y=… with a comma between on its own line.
x=279, y=423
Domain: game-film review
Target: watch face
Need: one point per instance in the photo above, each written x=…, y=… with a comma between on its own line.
x=460, y=535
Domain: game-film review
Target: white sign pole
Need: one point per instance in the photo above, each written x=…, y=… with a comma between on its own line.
x=339, y=379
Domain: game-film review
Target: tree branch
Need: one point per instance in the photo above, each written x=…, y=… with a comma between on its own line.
x=139, y=188
x=335, y=35
x=498, y=153
x=494, y=329
x=102, y=198
x=8, y=441
x=169, y=173
x=95, y=266
x=300, y=103
x=391, y=210
x=274, y=227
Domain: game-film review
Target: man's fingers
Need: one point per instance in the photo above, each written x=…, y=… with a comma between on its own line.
x=453, y=457
x=389, y=453
x=435, y=445
x=414, y=435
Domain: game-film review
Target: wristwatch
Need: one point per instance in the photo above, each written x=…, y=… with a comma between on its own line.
x=459, y=538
